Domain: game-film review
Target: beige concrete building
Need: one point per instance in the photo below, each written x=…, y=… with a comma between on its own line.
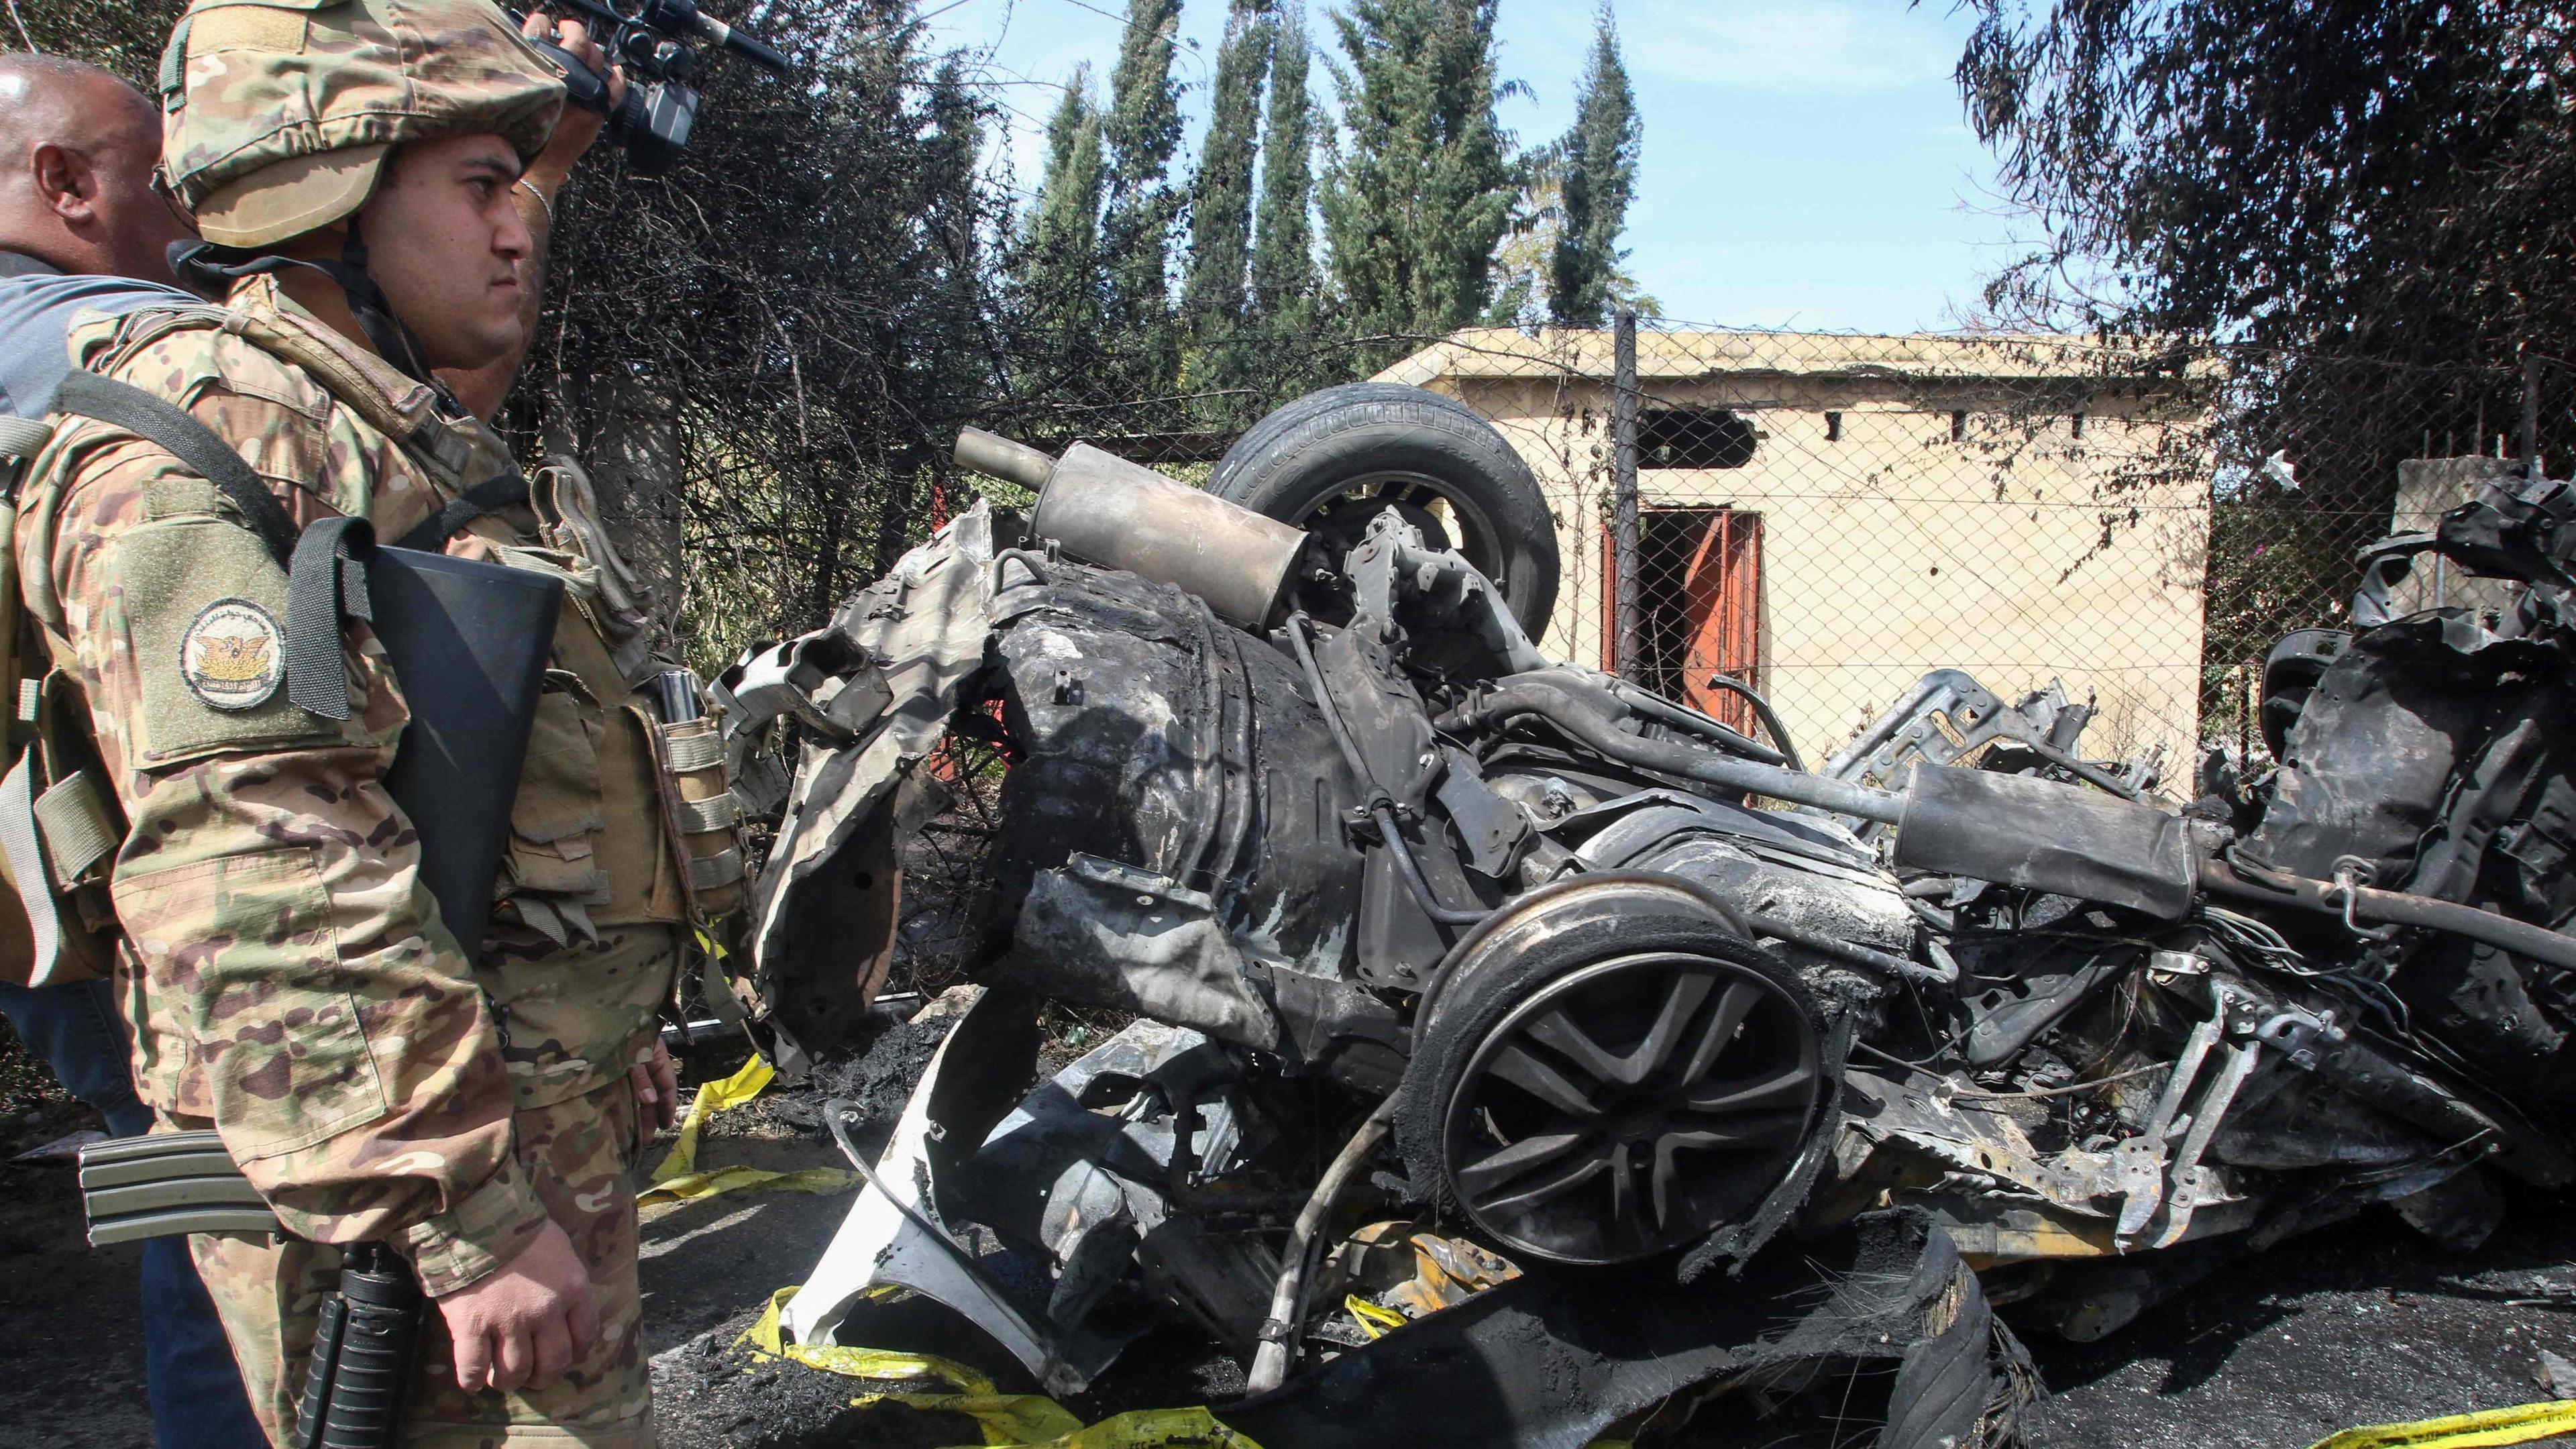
x=1830, y=516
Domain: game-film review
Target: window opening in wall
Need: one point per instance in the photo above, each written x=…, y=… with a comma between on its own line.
x=1699, y=604
x=1958, y=427
x=1833, y=427
x=1693, y=438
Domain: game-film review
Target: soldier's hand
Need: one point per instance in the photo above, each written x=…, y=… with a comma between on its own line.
x=657, y=1087
x=576, y=128
x=524, y=1324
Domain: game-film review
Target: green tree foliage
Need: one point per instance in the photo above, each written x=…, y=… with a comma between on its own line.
x=2389, y=175
x=1140, y=133
x=1426, y=183
x=1283, y=250
x=1598, y=171
x=1059, y=265
x=810, y=289
x=2379, y=189
x=1527, y=256
x=1221, y=193
x=802, y=307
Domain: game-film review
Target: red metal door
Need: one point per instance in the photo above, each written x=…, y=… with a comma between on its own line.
x=1722, y=615
x=1700, y=605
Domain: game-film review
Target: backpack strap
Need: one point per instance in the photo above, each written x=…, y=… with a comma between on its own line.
x=326, y=587
x=21, y=439
x=171, y=428
x=441, y=449
x=438, y=447
x=493, y=494
x=325, y=581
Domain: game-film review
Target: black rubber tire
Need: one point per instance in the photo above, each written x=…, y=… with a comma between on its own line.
x=1311, y=451
x=1553, y=934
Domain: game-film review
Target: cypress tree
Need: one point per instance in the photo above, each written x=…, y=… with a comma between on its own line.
x=1139, y=135
x=1221, y=193
x=1283, y=250
x=951, y=207
x=1524, y=263
x=1599, y=179
x=1060, y=268
x=1414, y=209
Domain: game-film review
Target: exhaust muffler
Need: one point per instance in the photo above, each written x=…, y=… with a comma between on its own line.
x=1104, y=510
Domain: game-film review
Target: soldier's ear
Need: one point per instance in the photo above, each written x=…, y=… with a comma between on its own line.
x=66, y=180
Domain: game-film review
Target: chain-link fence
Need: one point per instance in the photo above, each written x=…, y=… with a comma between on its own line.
x=1827, y=517
x=1822, y=517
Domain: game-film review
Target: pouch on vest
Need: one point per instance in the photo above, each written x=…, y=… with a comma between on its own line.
x=58, y=827
x=706, y=815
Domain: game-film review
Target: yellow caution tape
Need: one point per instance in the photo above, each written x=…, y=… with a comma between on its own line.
x=1193, y=1428
x=1007, y=1421
x=678, y=1178
x=733, y=1091
x=858, y=1363
x=2518, y=1425
x=1374, y=1319
x=690, y=1187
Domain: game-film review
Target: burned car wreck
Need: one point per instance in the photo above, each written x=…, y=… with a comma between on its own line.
x=1492, y=1015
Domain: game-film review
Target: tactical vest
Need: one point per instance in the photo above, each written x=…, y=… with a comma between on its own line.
x=620, y=817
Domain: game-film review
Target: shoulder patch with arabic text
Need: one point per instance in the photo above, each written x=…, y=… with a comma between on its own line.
x=233, y=655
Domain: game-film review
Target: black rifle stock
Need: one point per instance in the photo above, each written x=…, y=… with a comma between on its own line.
x=363, y=1354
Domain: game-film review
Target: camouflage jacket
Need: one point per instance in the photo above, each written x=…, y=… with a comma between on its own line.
x=286, y=976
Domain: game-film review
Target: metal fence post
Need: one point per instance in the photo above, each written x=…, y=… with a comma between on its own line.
x=1631, y=663
x=2530, y=413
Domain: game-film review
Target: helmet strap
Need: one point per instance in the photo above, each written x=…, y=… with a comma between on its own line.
x=210, y=271
x=367, y=303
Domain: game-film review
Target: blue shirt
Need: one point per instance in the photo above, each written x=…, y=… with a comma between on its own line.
x=37, y=307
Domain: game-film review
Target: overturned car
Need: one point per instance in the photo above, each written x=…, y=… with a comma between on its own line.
x=1515, y=1009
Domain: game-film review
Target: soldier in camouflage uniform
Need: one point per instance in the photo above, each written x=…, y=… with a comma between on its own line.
x=289, y=980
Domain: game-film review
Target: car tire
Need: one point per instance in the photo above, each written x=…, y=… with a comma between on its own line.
x=1537, y=954
x=1333, y=459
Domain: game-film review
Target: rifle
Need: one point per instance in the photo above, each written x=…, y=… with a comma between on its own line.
x=184, y=1182
x=656, y=42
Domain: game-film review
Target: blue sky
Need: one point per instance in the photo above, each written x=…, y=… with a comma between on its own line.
x=1806, y=164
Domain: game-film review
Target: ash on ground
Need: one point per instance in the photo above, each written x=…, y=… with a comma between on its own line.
x=878, y=1081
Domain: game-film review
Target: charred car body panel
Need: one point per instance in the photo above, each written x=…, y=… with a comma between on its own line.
x=1540, y=932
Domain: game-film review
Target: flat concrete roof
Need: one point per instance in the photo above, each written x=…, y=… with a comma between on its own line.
x=1553, y=352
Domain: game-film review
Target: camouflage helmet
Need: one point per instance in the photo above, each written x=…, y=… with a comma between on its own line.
x=278, y=114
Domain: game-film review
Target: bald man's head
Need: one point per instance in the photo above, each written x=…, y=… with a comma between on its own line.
x=77, y=148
